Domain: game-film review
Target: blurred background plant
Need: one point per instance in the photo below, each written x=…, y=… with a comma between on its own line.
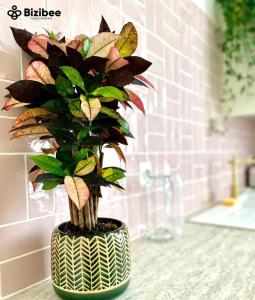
x=237, y=46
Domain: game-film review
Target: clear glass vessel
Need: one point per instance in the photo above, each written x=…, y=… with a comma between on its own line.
x=169, y=219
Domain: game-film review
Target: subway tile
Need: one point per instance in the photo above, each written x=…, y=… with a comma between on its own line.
x=61, y=23
x=19, y=239
x=61, y=199
x=17, y=274
x=80, y=18
x=24, y=4
x=12, y=187
x=180, y=42
x=10, y=52
x=134, y=10
x=40, y=202
x=22, y=144
x=111, y=14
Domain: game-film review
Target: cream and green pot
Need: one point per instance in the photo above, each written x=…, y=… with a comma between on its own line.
x=90, y=267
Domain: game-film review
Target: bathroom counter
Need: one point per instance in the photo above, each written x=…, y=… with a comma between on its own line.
x=206, y=263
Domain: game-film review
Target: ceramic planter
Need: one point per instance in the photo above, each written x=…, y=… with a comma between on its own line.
x=90, y=266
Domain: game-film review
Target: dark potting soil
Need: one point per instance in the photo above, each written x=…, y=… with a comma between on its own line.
x=102, y=227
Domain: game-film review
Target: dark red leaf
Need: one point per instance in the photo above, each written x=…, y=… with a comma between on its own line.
x=34, y=168
x=94, y=62
x=137, y=65
x=104, y=26
x=22, y=37
x=120, y=77
x=115, y=136
x=56, y=58
x=28, y=91
x=74, y=58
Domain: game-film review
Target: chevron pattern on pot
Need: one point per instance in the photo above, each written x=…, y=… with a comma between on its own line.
x=81, y=263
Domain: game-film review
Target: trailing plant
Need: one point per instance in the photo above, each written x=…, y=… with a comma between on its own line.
x=72, y=92
x=237, y=46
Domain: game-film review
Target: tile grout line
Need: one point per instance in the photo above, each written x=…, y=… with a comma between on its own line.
x=162, y=40
x=26, y=187
x=25, y=289
x=24, y=255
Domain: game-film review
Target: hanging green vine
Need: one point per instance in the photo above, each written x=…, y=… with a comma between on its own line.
x=238, y=46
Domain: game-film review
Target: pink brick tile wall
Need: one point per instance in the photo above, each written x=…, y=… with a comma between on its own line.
x=181, y=42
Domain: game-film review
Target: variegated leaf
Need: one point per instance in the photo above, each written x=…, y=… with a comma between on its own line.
x=115, y=60
x=36, y=130
x=38, y=45
x=127, y=42
x=38, y=71
x=77, y=191
x=30, y=114
x=102, y=43
x=118, y=151
x=90, y=107
x=11, y=102
x=76, y=44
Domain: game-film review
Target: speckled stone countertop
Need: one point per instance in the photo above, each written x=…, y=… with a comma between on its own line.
x=206, y=263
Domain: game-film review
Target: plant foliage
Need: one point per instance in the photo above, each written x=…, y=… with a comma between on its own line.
x=72, y=92
x=238, y=46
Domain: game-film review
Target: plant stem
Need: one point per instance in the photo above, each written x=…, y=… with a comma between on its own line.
x=87, y=216
x=75, y=215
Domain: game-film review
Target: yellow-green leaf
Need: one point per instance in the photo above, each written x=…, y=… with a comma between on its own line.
x=101, y=44
x=77, y=191
x=110, y=91
x=90, y=107
x=127, y=42
x=113, y=174
x=75, y=109
x=85, y=166
x=109, y=112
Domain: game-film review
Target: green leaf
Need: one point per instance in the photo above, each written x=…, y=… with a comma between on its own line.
x=83, y=133
x=86, y=47
x=81, y=154
x=91, y=140
x=64, y=86
x=125, y=127
x=113, y=174
x=49, y=164
x=75, y=108
x=85, y=167
x=74, y=76
x=48, y=177
x=111, y=92
x=49, y=185
x=54, y=106
x=109, y=112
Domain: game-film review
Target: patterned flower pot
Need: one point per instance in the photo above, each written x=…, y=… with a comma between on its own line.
x=90, y=266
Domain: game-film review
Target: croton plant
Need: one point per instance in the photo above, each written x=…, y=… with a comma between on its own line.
x=72, y=92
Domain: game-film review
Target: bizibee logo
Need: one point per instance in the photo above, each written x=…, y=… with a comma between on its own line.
x=14, y=13
x=40, y=13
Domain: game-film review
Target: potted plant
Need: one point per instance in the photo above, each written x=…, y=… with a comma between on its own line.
x=72, y=92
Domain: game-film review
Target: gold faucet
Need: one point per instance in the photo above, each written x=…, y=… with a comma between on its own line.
x=234, y=190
